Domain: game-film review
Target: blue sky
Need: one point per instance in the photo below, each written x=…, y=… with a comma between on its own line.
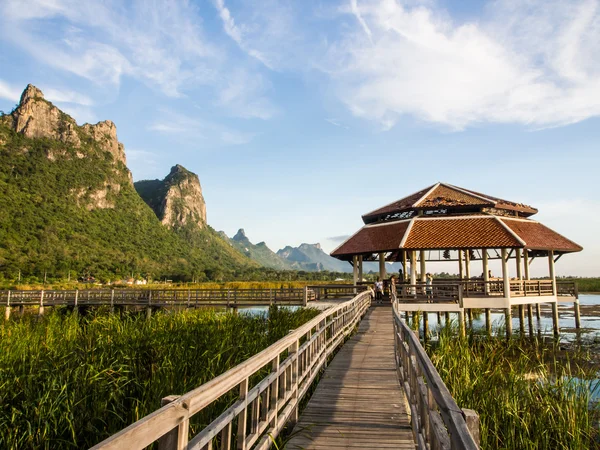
x=299, y=116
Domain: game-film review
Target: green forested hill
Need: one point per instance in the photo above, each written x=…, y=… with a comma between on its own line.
x=73, y=208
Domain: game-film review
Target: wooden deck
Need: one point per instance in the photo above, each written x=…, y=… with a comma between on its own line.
x=359, y=402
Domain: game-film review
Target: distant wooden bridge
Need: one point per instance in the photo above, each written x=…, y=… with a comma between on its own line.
x=380, y=390
x=169, y=298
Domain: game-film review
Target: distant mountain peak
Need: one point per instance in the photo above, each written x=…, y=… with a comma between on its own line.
x=177, y=200
x=240, y=235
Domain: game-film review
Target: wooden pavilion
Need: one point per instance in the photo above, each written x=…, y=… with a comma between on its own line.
x=448, y=223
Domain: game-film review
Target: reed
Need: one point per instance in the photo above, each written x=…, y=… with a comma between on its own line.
x=68, y=381
x=527, y=397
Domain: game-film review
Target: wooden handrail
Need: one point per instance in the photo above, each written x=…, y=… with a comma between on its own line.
x=437, y=421
x=272, y=401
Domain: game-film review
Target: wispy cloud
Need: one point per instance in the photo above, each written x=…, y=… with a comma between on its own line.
x=162, y=44
x=9, y=92
x=235, y=33
x=534, y=63
x=186, y=127
x=340, y=238
x=336, y=123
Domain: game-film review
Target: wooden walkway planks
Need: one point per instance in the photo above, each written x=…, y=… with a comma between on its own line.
x=359, y=402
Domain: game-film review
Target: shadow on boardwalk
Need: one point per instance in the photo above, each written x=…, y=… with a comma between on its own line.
x=359, y=402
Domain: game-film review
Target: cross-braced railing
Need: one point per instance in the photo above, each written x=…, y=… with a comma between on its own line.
x=437, y=421
x=262, y=409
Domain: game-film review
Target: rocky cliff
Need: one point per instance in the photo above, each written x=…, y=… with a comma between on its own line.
x=35, y=117
x=68, y=206
x=258, y=252
x=177, y=200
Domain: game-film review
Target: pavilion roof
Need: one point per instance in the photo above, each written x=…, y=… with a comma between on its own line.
x=449, y=197
x=472, y=231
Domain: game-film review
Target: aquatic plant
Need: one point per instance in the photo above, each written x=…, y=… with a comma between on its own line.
x=527, y=396
x=68, y=381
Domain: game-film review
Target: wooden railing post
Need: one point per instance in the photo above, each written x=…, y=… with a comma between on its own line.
x=41, y=310
x=305, y=297
x=7, y=310
x=472, y=419
x=177, y=438
x=243, y=417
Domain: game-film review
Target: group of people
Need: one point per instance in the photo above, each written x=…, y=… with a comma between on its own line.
x=379, y=287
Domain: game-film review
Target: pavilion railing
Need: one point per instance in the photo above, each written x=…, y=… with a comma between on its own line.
x=437, y=421
x=261, y=410
x=436, y=293
x=329, y=291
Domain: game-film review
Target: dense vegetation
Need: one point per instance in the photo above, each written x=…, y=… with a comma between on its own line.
x=525, y=396
x=48, y=227
x=69, y=381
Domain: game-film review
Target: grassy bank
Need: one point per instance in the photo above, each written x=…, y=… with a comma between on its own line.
x=69, y=382
x=526, y=397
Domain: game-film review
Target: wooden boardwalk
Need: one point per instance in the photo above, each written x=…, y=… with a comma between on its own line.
x=359, y=402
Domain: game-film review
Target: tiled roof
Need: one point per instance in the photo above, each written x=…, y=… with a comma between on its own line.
x=540, y=237
x=468, y=232
x=372, y=239
x=506, y=204
x=402, y=204
x=444, y=196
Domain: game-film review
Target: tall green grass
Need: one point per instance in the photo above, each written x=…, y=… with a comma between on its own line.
x=526, y=397
x=68, y=381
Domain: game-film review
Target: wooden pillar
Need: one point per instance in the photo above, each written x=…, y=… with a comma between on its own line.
x=530, y=320
x=413, y=270
x=439, y=318
x=355, y=269
x=488, y=321
x=425, y=326
x=460, y=264
x=468, y=264
x=555, y=303
x=470, y=317
x=486, y=271
x=538, y=312
x=404, y=272
x=382, y=273
x=461, y=322
x=506, y=280
x=360, y=268
x=518, y=262
x=447, y=318
x=577, y=314
x=526, y=263
x=522, y=320
x=178, y=437
x=423, y=267
x=415, y=320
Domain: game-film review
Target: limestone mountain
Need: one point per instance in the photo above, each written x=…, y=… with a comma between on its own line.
x=177, y=200
x=67, y=204
x=312, y=257
x=258, y=252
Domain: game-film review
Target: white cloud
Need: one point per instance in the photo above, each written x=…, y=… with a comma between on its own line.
x=161, y=44
x=235, y=33
x=242, y=94
x=9, y=92
x=186, y=127
x=535, y=63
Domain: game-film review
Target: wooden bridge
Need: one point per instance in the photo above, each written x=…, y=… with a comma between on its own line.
x=380, y=390
x=168, y=298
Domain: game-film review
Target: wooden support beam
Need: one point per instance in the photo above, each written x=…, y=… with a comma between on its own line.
x=522, y=321
x=413, y=270
x=423, y=268
x=488, y=321
x=486, y=271
x=555, y=323
x=468, y=264
x=577, y=314
x=360, y=267
x=461, y=322
x=530, y=320
x=508, y=322
x=460, y=264
x=382, y=273
x=355, y=269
